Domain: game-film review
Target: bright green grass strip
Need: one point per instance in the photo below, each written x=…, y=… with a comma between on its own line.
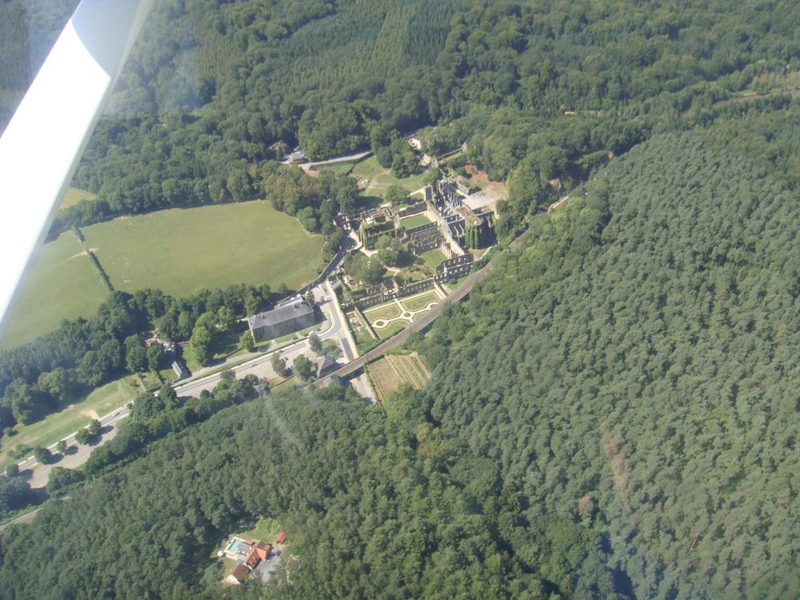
x=415, y=221
x=74, y=195
x=416, y=303
x=389, y=310
x=59, y=425
x=184, y=250
x=392, y=329
x=434, y=257
x=63, y=284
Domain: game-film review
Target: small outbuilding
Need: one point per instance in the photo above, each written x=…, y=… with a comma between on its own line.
x=281, y=538
x=240, y=572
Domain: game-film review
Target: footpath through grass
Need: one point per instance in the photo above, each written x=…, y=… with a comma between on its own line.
x=376, y=180
x=184, y=250
x=59, y=425
x=63, y=284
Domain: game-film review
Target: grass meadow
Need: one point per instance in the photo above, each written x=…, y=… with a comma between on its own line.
x=63, y=284
x=74, y=195
x=184, y=250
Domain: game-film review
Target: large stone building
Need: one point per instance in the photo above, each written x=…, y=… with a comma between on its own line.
x=289, y=318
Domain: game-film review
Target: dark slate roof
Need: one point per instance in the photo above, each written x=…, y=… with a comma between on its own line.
x=291, y=310
x=324, y=363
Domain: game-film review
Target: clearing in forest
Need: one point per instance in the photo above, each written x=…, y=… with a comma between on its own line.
x=376, y=181
x=390, y=372
x=73, y=195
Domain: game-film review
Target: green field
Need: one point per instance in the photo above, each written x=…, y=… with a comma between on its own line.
x=63, y=284
x=386, y=311
x=434, y=257
x=420, y=301
x=391, y=329
x=59, y=425
x=184, y=250
x=415, y=221
x=74, y=195
x=379, y=180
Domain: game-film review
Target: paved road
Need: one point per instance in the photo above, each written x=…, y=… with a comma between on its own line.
x=336, y=329
x=333, y=161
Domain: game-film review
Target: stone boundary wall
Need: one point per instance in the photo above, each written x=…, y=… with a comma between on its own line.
x=419, y=229
x=414, y=209
x=408, y=289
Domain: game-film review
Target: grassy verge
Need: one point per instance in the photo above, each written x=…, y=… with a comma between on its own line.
x=59, y=425
x=391, y=329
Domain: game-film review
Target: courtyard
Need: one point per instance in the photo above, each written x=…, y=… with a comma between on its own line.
x=390, y=317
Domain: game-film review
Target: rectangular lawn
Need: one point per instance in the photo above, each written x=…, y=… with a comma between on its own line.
x=415, y=221
x=184, y=250
x=63, y=284
x=434, y=257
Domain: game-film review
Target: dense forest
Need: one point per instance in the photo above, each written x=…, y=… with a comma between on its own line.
x=62, y=367
x=614, y=411
x=213, y=91
x=369, y=514
x=635, y=367
x=612, y=414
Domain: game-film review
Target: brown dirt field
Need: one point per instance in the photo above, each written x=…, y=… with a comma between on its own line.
x=405, y=367
x=496, y=189
x=390, y=372
x=383, y=378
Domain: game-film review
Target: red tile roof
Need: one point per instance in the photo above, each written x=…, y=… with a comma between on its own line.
x=240, y=572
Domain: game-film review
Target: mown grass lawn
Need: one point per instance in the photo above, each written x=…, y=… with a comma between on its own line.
x=63, y=284
x=74, y=195
x=390, y=310
x=415, y=221
x=418, y=302
x=57, y=426
x=434, y=257
x=391, y=329
x=376, y=180
x=184, y=250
